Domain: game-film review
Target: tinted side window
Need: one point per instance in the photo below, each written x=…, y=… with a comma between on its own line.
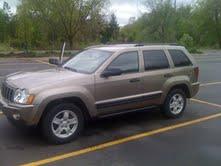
x=155, y=59
x=179, y=58
x=128, y=62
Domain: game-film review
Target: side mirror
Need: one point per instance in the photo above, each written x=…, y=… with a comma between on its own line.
x=111, y=72
x=54, y=61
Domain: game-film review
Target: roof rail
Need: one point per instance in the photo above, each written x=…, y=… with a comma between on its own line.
x=94, y=46
x=131, y=44
x=139, y=45
x=146, y=44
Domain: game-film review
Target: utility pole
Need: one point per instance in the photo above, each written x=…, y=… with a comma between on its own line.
x=62, y=53
x=175, y=4
x=137, y=9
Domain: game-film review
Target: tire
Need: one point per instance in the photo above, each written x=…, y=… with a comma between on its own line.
x=63, y=118
x=174, y=108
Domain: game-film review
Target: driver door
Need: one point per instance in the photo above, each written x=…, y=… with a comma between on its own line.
x=121, y=92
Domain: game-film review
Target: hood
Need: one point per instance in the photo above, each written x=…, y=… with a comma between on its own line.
x=37, y=79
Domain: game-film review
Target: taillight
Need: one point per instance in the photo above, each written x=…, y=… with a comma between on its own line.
x=196, y=73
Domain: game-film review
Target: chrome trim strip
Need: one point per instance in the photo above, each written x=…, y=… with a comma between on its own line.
x=121, y=112
x=129, y=97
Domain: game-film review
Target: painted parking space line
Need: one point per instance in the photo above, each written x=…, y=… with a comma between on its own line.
x=121, y=141
x=210, y=83
x=19, y=63
x=40, y=61
x=205, y=102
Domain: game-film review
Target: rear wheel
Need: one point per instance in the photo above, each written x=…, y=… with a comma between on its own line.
x=62, y=123
x=175, y=103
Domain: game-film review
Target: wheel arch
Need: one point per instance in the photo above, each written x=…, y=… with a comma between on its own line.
x=73, y=100
x=183, y=86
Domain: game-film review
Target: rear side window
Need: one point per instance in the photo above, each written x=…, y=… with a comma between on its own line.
x=155, y=59
x=128, y=62
x=179, y=58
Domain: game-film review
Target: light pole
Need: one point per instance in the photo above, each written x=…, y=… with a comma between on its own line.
x=175, y=4
x=137, y=10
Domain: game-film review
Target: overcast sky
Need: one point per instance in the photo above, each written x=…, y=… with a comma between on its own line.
x=123, y=9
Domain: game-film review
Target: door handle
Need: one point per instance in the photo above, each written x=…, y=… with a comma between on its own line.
x=168, y=75
x=134, y=80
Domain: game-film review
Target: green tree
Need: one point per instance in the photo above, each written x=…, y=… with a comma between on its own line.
x=208, y=21
x=111, y=30
x=114, y=27
x=3, y=25
x=27, y=31
x=73, y=14
x=161, y=20
x=167, y=22
x=4, y=22
x=63, y=20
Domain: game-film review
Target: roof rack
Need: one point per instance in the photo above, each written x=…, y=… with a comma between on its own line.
x=146, y=44
x=139, y=45
x=94, y=46
x=131, y=44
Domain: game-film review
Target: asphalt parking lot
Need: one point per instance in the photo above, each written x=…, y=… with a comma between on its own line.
x=141, y=138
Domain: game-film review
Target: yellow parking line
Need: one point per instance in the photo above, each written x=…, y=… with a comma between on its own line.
x=120, y=141
x=210, y=83
x=40, y=61
x=205, y=102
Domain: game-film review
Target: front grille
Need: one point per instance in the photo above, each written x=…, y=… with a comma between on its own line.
x=7, y=92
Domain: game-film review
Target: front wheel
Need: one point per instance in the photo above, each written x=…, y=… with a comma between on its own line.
x=62, y=123
x=175, y=103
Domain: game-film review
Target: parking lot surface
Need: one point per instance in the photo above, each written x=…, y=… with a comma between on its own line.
x=139, y=138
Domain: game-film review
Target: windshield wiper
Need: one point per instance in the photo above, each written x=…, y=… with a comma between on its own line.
x=71, y=69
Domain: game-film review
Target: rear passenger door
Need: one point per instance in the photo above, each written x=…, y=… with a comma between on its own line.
x=156, y=72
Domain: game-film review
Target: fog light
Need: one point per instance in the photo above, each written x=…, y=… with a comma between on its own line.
x=16, y=116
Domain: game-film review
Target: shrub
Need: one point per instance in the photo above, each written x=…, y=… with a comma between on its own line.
x=187, y=41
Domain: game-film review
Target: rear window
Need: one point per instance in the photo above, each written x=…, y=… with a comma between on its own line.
x=155, y=59
x=179, y=58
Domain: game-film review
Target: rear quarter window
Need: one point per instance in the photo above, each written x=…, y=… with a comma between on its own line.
x=179, y=58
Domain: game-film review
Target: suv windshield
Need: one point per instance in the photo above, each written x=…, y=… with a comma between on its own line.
x=87, y=61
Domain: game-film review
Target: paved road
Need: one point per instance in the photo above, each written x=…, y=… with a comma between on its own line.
x=191, y=140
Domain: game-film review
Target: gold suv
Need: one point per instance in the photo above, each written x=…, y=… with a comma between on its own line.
x=97, y=82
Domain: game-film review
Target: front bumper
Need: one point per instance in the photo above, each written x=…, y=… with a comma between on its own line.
x=16, y=112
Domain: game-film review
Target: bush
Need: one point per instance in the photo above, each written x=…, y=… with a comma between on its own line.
x=15, y=43
x=187, y=41
x=5, y=47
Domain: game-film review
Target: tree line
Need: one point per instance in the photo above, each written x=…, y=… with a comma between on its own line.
x=195, y=25
x=45, y=24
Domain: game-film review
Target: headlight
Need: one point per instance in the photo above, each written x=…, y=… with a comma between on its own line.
x=22, y=96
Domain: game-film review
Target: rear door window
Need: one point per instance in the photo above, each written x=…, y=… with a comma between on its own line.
x=179, y=58
x=155, y=59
